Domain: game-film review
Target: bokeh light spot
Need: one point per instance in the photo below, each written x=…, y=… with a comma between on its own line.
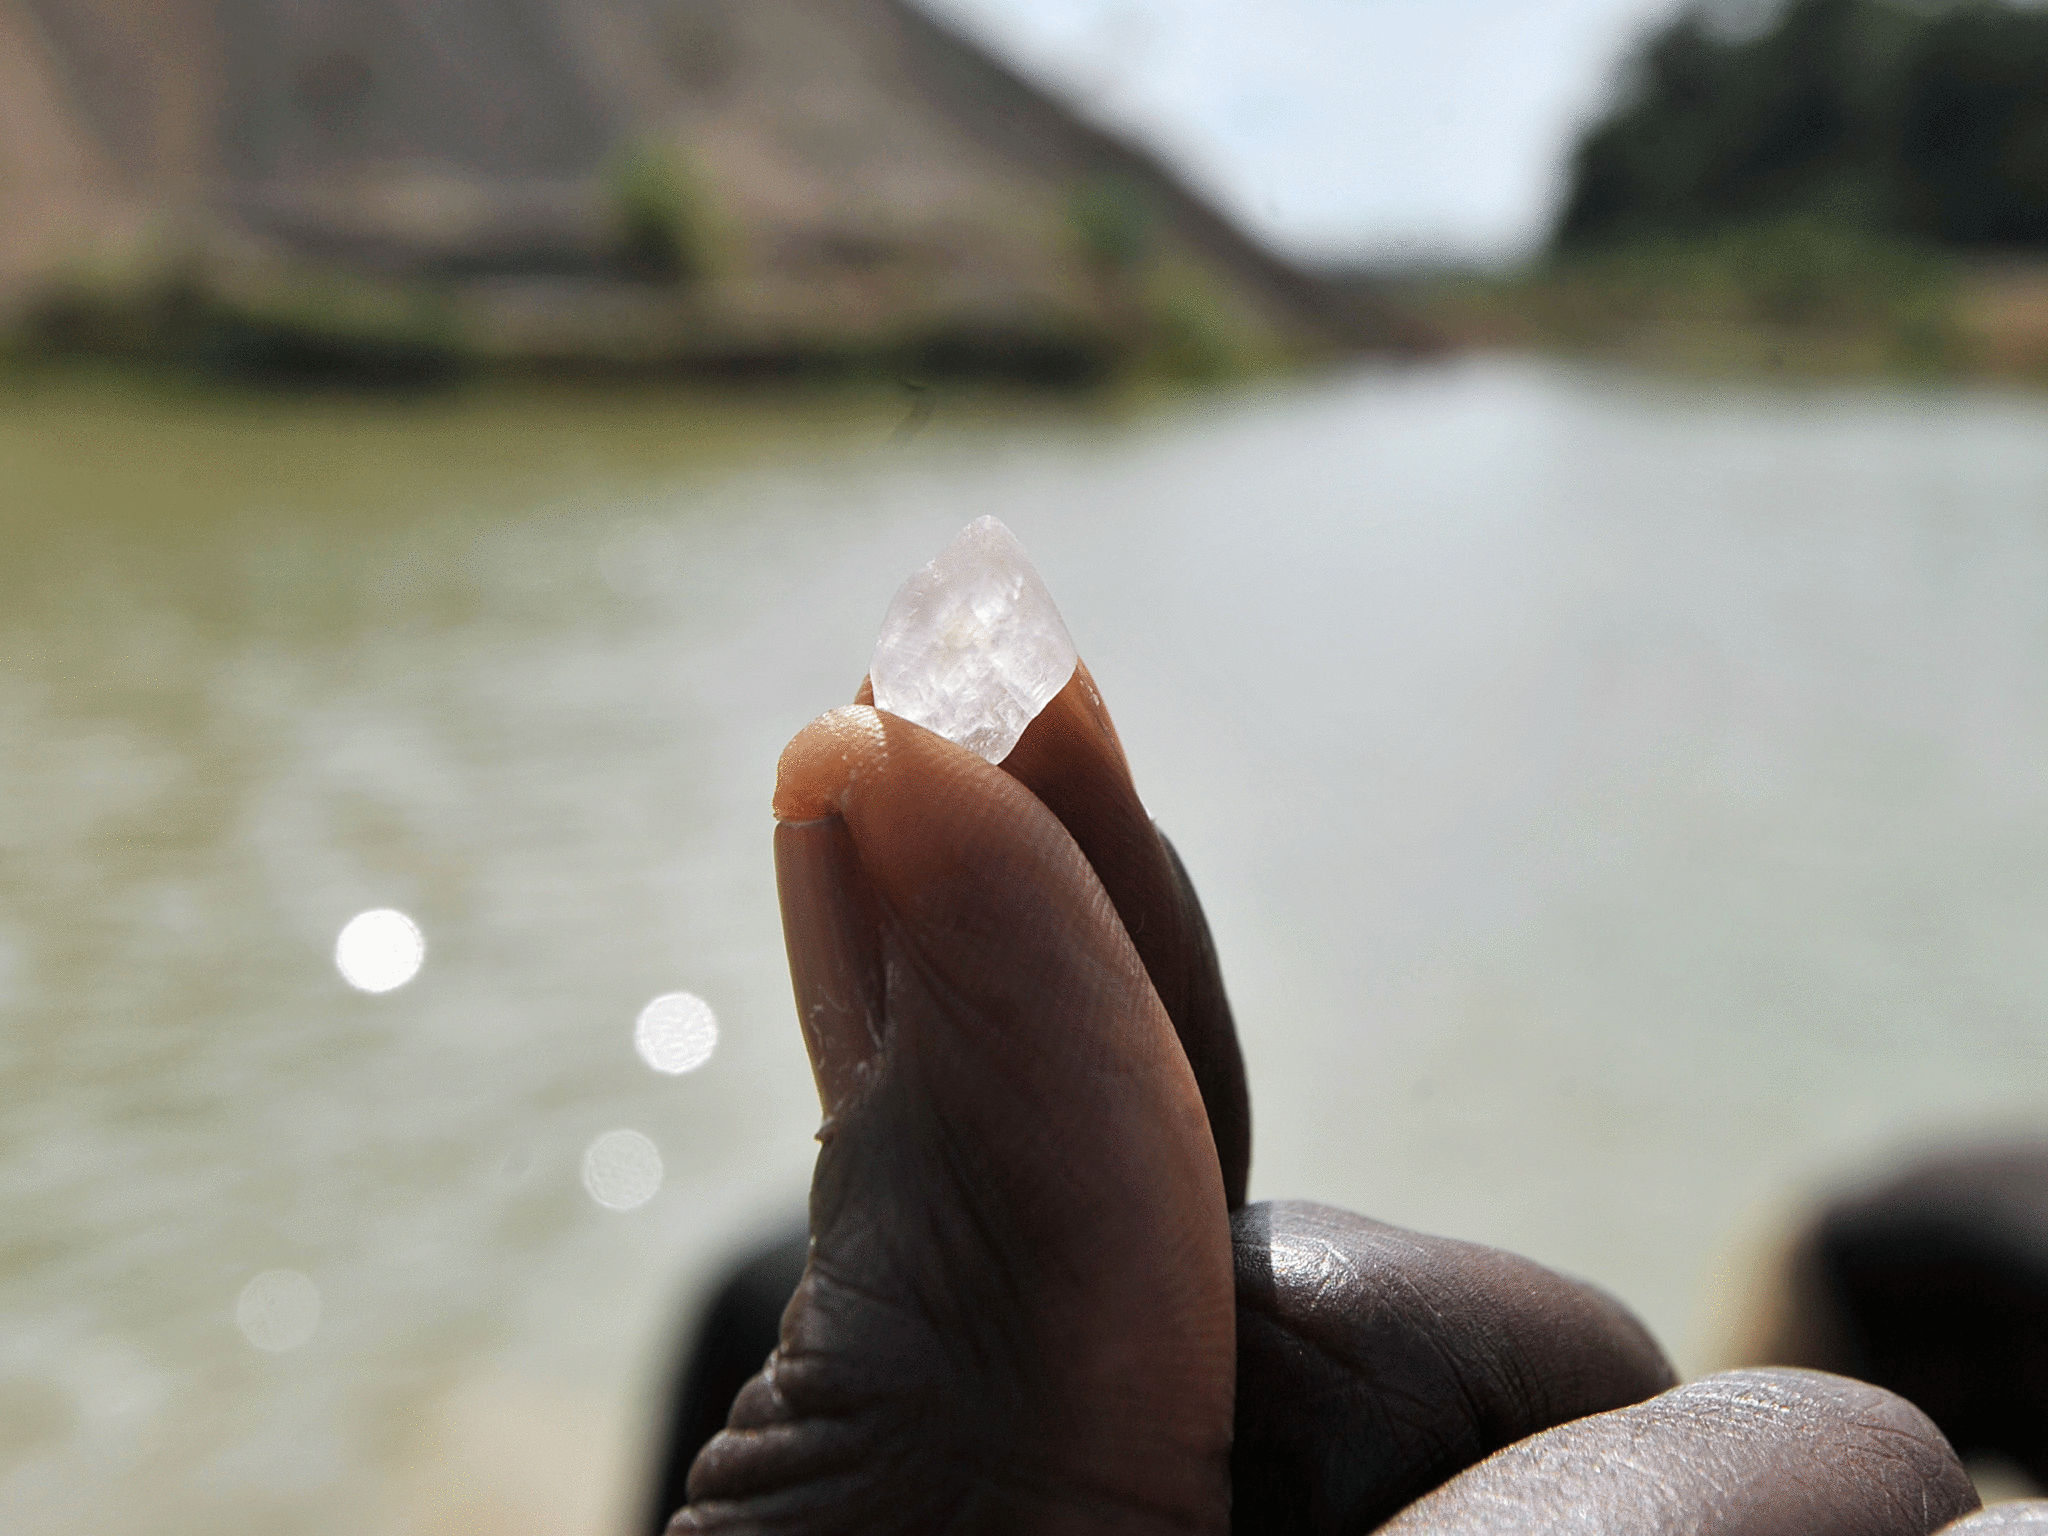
x=676, y=1033
x=278, y=1310
x=621, y=1169
x=379, y=950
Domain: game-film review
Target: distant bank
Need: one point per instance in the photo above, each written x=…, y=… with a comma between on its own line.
x=1782, y=300
x=805, y=186
x=1839, y=185
x=1819, y=186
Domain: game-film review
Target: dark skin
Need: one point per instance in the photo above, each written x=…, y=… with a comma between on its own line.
x=1933, y=1281
x=1035, y=1301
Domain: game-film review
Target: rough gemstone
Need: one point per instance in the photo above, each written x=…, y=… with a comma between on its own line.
x=972, y=647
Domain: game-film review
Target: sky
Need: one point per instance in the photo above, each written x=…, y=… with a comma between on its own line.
x=1383, y=131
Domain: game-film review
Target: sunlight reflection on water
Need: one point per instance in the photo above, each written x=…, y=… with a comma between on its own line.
x=622, y=1170
x=676, y=1033
x=278, y=1310
x=379, y=951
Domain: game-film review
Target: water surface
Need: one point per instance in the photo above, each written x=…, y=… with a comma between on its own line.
x=1620, y=807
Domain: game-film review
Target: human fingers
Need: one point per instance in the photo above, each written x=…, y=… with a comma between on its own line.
x=1373, y=1363
x=732, y=1335
x=2019, y=1515
x=1071, y=758
x=1017, y=1310
x=1933, y=1281
x=1748, y=1453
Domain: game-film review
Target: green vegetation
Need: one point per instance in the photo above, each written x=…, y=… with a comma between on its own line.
x=1140, y=314
x=1854, y=185
x=1923, y=122
x=1112, y=225
x=320, y=327
x=310, y=327
x=1804, y=295
x=1196, y=333
x=1170, y=319
x=663, y=227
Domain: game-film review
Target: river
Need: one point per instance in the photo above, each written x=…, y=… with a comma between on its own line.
x=1620, y=806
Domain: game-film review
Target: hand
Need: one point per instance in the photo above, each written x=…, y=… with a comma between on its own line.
x=1932, y=1280
x=1034, y=1300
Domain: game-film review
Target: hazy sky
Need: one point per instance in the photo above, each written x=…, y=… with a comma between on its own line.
x=1386, y=129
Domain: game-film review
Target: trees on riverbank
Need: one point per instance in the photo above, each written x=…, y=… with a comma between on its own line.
x=1842, y=186
x=1924, y=122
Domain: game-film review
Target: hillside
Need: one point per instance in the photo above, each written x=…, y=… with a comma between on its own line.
x=713, y=182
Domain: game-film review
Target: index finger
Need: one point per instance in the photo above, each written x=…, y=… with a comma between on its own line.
x=1072, y=759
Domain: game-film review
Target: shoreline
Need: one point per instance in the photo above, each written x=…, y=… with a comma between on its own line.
x=1717, y=312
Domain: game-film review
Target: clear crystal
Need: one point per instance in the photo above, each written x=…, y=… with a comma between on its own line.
x=972, y=647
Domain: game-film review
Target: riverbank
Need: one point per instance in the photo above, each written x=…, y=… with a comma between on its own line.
x=328, y=326
x=1795, y=302
x=1779, y=302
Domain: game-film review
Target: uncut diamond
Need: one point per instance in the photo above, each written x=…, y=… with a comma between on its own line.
x=972, y=647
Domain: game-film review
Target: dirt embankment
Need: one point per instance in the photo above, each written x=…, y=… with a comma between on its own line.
x=639, y=181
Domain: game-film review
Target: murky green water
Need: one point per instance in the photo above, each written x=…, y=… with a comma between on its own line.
x=1622, y=810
